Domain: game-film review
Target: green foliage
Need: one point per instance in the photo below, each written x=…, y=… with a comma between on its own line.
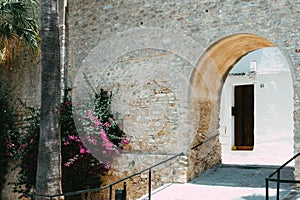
x=5, y=126
x=26, y=152
x=81, y=170
x=102, y=105
x=103, y=113
x=18, y=25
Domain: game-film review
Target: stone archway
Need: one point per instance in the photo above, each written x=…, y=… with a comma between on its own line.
x=197, y=86
x=206, y=82
x=219, y=58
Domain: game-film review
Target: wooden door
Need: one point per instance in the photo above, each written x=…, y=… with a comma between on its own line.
x=244, y=117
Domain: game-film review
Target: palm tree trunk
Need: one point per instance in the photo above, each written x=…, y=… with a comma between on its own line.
x=48, y=178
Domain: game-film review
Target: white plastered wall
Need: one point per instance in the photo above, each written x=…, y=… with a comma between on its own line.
x=273, y=108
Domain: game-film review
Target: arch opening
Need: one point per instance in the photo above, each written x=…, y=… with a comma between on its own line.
x=271, y=128
x=207, y=81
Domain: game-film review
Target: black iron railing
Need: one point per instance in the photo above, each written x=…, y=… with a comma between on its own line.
x=122, y=193
x=205, y=140
x=278, y=179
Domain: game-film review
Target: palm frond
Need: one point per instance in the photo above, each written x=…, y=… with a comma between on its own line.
x=17, y=26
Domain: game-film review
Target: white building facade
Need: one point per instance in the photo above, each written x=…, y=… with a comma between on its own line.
x=267, y=71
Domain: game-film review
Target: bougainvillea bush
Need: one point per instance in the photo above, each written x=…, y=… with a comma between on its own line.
x=5, y=125
x=101, y=134
x=81, y=170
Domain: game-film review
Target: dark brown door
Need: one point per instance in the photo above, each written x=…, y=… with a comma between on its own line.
x=244, y=117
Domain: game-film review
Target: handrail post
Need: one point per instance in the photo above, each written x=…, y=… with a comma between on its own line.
x=124, y=195
x=149, y=184
x=278, y=184
x=110, y=192
x=278, y=180
x=110, y=186
x=267, y=189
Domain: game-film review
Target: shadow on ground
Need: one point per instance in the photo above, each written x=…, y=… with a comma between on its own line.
x=249, y=176
x=243, y=176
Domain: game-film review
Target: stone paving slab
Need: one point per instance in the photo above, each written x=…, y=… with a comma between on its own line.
x=243, y=176
x=190, y=191
x=229, y=182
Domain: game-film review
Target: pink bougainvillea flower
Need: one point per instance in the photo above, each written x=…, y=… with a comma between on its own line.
x=68, y=164
x=93, y=141
x=89, y=112
x=107, y=124
x=91, y=116
x=9, y=146
x=72, y=137
x=67, y=103
x=109, y=145
x=97, y=123
x=106, y=167
x=104, y=136
x=82, y=150
x=23, y=146
x=125, y=141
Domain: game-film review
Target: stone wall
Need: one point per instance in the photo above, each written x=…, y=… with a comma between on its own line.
x=149, y=91
x=152, y=87
x=20, y=84
x=22, y=81
x=149, y=101
x=208, y=154
x=149, y=96
x=92, y=21
x=137, y=186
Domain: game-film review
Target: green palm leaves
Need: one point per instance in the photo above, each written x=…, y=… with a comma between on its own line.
x=18, y=25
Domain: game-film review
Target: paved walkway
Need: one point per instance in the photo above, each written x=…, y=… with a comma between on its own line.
x=229, y=182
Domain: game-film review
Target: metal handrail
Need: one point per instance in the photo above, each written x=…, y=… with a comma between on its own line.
x=203, y=141
x=278, y=180
x=149, y=169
